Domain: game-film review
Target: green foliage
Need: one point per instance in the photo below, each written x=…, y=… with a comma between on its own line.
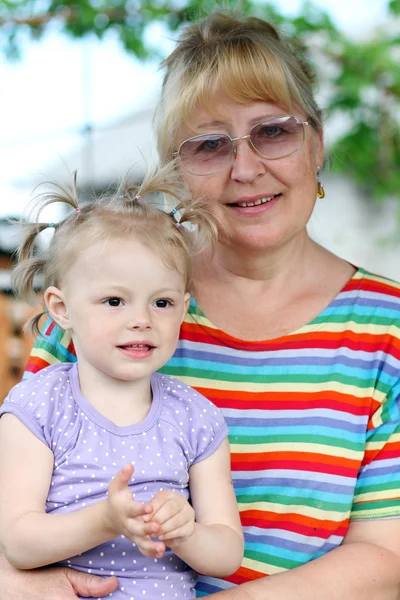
x=394, y=7
x=367, y=90
x=362, y=76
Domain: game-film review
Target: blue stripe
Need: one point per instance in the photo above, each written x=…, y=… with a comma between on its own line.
x=266, y=482
x=249, y=423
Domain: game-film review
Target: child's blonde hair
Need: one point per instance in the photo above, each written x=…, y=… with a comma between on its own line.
x=175, y=235
x=244, y=58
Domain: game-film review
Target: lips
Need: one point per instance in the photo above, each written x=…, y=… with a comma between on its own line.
x=256, y=202
x=140, y=346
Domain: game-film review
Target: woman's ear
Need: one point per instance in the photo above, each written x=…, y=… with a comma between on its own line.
x=186, y=302
x=320, y=148
x=55, y=302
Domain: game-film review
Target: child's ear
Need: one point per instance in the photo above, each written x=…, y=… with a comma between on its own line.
x=55, y=302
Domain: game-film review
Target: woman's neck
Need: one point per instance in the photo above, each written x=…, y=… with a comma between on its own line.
x=257, y=264
x=259, y=296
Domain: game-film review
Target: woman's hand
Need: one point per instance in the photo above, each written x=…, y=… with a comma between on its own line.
x=129, y=518
x=51, y=584
x=174, y=517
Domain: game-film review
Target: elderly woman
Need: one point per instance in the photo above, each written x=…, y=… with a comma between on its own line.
x=299, y=348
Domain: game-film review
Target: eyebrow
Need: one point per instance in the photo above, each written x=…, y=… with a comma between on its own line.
x=117, y=289
x=252, y=121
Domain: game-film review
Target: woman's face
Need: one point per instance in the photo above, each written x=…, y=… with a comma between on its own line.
x=288, y=183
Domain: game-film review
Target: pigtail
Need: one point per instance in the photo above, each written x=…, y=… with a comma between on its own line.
x=160, y=185
x=28, y=268
x=33, y=324
x=190, y=216
x=197, y=224
x=58, y=195
x=30, y=262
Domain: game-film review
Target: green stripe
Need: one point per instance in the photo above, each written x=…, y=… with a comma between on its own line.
x=319, y=440
x=248, y=378
x=337, y=507
x=377, y=505
x=270, y=559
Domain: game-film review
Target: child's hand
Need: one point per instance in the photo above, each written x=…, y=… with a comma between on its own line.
x=174, y=517
x=126, y=516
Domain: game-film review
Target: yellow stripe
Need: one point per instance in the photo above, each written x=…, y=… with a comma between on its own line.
x=260, y=567
x=394, y=437
x=377, y=496
x=44, y=355
x=315, y=448
x=245, y=386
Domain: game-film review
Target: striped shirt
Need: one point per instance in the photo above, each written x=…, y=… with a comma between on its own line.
x=314, y=421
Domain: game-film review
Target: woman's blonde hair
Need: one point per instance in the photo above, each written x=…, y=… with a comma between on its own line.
x=176, y=233
x=244, y=58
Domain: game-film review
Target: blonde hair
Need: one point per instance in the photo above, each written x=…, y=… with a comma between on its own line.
x=244, y=58
x=175, y=235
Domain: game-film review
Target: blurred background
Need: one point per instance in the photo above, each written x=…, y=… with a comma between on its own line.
x=79, y=82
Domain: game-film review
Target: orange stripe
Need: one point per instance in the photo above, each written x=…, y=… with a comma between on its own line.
x=303, y=520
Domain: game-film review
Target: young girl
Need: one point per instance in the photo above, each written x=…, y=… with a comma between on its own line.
x=117, y=275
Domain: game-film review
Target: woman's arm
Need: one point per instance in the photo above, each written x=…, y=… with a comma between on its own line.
x=208, y=538
x=31, y=538
x=51, y=584
x=365, y=567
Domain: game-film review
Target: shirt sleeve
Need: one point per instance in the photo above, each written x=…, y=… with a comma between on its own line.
x=211, y=431
x=198, y=420
x=53, y=345
x=27, y=402
x=377, y=493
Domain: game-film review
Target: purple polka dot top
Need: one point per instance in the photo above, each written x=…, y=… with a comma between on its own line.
x=181, y=428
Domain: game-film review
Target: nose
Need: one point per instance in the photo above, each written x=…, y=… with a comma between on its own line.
x=247, y=164
x=140, y=319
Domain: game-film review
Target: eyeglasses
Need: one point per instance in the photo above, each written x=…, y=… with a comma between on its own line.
x=210, y=153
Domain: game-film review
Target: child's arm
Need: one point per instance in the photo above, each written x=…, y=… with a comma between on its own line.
x=208, y=537
x=29, y=537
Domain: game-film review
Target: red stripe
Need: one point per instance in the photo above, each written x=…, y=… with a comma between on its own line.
x=36, y=364
x=243, y=574
x=50, y=328
x=311, y=340
x=302, y=525
x=290, y=465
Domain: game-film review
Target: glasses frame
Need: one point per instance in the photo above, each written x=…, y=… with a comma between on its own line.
x=242, y=137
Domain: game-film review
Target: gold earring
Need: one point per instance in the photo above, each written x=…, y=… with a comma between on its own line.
x=320, y=187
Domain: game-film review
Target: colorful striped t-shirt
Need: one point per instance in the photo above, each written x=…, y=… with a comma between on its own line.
x=314, y=421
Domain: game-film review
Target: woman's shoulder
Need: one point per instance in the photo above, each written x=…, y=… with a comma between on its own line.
x=374, y=284
x=374, y=297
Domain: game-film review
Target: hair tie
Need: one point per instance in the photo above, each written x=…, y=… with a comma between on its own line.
x=173, y=212
x=78, y=210
x=138, y=197
x=51, y=225
x=177, y=224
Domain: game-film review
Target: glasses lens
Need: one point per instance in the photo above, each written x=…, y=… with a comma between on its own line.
x=206, y=154
x=278, y=137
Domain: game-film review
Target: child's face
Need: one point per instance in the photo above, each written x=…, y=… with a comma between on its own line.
x=124, y=307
